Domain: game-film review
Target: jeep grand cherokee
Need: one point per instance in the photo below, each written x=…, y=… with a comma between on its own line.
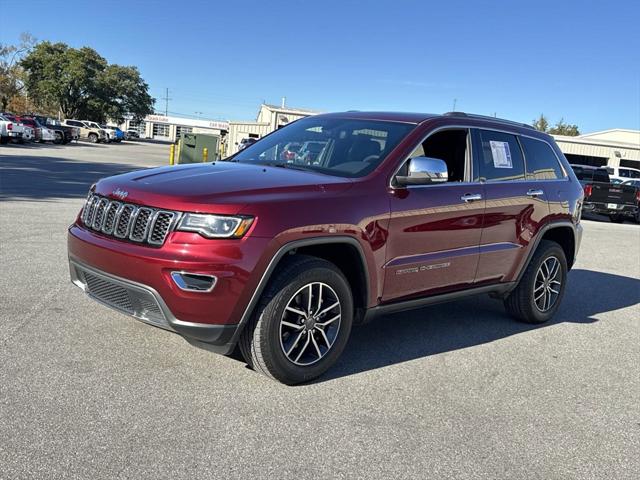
x=281, y=255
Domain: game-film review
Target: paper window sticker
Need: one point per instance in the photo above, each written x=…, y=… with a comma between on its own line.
x=501, y=154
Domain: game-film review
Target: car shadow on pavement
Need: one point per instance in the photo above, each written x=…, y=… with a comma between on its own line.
x=445, y=327
x=42, y=178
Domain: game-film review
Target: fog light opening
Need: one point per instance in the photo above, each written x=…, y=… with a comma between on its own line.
x=194, y=282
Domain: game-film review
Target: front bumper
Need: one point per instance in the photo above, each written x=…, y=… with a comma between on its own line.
x=140, y=278
x=144, y=303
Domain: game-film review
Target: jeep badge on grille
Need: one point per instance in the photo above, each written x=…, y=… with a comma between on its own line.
x=121, y=194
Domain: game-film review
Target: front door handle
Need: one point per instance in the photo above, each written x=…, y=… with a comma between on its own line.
x=535, y=193
x=470, y=197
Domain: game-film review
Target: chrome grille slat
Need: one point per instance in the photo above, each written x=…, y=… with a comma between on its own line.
x=98, y=216
x=140, y=225
x=127, y=221
x=110, y=217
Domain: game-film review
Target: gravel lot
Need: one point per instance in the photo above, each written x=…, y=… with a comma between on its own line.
x=449, y=391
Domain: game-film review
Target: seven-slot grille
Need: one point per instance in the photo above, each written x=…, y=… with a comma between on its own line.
x=128, y=221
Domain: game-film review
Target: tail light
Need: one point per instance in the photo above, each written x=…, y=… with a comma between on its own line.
x=587, y=190
x=637, y=195
x=10, y=126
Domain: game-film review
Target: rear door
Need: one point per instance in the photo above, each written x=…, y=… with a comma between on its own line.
x=516, y=206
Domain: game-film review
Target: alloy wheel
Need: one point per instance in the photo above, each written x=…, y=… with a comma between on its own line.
x=548, y=283
x=310, y=324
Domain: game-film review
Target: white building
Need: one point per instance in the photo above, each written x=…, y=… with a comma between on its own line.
x=168, y=128
x=615, y=148
x=270, y=118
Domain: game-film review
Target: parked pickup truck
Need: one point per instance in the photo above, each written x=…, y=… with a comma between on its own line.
x=63, y=134
x=87, y=131
x=10, y=130
x=619, y=202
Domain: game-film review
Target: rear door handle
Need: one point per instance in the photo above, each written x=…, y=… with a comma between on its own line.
x=470, y=197
x=535, y=193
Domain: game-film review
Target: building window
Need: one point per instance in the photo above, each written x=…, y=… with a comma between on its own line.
x=586, y=160
x=160, y=130
x=181, y=129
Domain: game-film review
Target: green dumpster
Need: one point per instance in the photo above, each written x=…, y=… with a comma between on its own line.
x=193, y=145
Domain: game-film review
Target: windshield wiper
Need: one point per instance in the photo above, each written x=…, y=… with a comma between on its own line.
x=292, y=166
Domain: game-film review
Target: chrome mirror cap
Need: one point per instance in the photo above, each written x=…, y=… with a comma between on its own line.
x=424, y=171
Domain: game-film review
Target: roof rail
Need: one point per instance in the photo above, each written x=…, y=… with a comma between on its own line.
x=486, y=117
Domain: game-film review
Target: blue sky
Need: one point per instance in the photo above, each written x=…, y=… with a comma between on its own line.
x=574, y=59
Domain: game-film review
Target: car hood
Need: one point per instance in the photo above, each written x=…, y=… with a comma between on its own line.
x=220, y=187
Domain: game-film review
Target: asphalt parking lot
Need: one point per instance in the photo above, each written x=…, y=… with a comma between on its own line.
x=449, y=391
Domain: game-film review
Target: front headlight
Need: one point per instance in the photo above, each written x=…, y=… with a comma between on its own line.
x=215, y=226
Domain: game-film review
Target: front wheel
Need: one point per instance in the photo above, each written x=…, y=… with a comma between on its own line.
x=302, y=323
x=59, y=139
x=541, y=288
x=93, y=138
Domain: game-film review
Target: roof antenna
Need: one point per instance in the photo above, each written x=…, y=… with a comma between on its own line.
x=455, y=101
x=283, y=100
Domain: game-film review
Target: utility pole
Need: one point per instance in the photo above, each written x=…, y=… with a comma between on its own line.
x=166, y=102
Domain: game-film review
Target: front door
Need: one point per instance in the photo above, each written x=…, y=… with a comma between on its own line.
x=434, y=230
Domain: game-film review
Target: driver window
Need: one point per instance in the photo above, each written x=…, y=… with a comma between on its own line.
x=450, y=146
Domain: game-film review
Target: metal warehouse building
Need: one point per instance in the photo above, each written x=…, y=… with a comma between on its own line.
x=614, y=148
x=169, y=129
x=270, y=118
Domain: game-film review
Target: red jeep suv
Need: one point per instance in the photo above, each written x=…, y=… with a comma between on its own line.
x=281, y=255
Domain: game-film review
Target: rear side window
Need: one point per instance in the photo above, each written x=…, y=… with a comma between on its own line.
x=499, y=157
x=629, y=173
x=542, y=163
x=600, y=175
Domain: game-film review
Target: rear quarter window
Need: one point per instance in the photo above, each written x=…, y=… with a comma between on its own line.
x=542, y=162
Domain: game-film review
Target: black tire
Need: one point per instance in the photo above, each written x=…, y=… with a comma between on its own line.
x=4, y=140
x=521, y=302
x=59, y=138
x=616, y=218
x=93, y=138
x=261, y=341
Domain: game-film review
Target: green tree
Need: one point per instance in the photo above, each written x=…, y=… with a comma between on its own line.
x=82, y=84
x=541, y=123
x=11, y=72
x=562, y=128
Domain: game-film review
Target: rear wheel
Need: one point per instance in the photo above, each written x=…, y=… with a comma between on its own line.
x=541, y=288
x=617, y=218
x=302, y=323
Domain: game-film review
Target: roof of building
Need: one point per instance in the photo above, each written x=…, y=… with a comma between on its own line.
x=610, y=131
x=291, y=110
x=600, y=138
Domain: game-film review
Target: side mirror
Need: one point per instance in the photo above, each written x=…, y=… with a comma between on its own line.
x=424, y=171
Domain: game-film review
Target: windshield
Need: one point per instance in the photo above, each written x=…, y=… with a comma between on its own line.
x=335, y=146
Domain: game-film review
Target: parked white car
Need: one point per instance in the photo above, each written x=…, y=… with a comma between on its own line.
x=111, y=133
x=10, y=130
x=620, y=174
